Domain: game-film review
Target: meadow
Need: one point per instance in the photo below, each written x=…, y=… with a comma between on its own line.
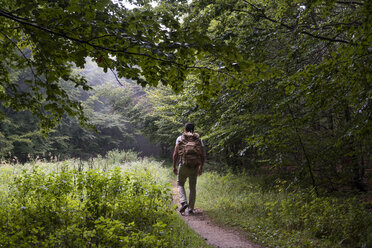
x=117, y=201
x=121, y=200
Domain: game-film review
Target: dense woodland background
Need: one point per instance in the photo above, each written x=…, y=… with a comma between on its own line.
x=274, y=87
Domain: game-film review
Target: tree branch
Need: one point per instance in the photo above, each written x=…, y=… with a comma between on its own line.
x=60, y=34
x=263, y=15
x=351, y=2
x=116, y=77
x=24, y=56
x=87, y=42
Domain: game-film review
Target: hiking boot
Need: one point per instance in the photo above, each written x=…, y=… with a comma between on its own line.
x=190, y=211
x=184, y=205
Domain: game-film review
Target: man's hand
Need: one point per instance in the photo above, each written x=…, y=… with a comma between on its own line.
x=175, y=171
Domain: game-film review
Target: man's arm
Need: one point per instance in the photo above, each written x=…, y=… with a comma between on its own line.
x=175, y=159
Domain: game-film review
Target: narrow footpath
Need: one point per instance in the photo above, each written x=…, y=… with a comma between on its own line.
x=215, y=235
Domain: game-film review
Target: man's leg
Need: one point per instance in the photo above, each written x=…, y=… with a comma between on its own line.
x=181, y=180
x=192, y=184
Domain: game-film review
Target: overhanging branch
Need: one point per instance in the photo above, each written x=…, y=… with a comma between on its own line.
x=27, y=22
x=29, y=63
x=263, y=15
x=60, y=34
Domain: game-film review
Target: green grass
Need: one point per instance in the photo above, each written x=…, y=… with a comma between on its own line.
x=117, y=201
x=278, y=218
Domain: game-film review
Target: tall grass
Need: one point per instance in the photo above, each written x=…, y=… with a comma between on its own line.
x=116, y=201
x=279, y=218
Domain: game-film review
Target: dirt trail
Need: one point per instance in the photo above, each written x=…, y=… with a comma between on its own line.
x=212, y=233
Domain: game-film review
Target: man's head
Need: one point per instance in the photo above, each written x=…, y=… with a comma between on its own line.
x=189, y=127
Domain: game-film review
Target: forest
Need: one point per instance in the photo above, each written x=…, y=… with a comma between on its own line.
x=280, y=92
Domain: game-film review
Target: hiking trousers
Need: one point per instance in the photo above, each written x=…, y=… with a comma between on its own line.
x=185, y=172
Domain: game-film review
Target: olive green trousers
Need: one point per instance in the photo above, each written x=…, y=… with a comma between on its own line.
x=185, y=172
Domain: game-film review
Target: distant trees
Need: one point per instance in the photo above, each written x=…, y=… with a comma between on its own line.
x=108, y=107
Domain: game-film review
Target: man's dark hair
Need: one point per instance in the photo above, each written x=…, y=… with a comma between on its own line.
x=189, y=127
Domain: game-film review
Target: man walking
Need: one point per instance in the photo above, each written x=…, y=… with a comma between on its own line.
x=189, y=155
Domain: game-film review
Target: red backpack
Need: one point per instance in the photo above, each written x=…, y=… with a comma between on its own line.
x=190, y=150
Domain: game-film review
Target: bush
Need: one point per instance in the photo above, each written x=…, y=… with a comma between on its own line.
x=63, y=205
x=281, y=218
x=88, y=208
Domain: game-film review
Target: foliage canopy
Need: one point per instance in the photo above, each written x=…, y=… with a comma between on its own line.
x=49, y=37
x=302, y=99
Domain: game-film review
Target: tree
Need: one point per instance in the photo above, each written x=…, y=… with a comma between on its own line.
x=108, y=107
x=302, y=98
x=49, y=37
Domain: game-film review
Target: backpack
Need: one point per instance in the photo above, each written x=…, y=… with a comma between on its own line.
x=190, y=150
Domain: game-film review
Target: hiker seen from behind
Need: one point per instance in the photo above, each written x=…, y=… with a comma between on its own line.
x=189, y=156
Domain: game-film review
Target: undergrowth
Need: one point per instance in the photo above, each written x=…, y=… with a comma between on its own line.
x=279, y=218
x=117, y=201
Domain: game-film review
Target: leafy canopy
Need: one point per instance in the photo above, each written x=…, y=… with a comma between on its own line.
x=49, y=37
x=302, y=98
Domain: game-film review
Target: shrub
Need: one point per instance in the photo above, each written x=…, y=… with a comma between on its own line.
x=118, y=202
x=87, y=208
x=282, y=218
